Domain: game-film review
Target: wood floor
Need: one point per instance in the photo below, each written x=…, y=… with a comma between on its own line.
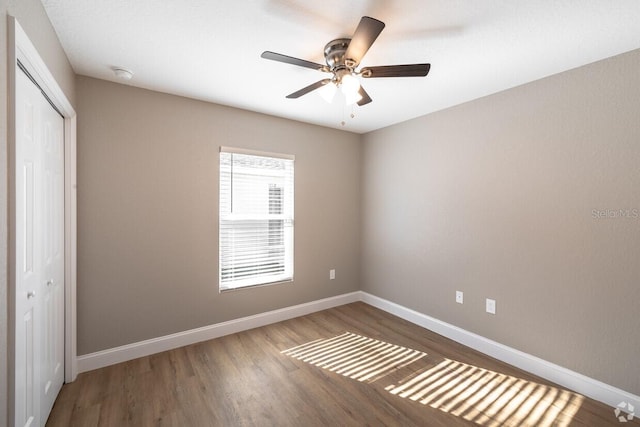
x=352, y=365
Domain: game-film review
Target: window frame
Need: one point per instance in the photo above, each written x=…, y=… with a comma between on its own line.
x=286, y=192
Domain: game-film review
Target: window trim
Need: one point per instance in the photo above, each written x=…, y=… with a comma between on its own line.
x=249, y=152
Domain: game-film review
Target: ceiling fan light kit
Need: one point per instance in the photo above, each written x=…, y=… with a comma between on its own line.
x=328, y=92
x=342, y=57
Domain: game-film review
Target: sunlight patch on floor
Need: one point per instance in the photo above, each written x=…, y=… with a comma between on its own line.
x=484, y=397
x=355, y=356
x=488, y=398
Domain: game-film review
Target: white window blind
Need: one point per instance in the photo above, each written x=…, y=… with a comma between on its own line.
x=256, y=218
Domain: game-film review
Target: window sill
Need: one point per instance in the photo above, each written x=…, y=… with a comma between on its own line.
x=259, y=285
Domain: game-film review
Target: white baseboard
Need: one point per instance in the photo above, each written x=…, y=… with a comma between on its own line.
x=100, y=359
x=562, y=376
x=579, y=383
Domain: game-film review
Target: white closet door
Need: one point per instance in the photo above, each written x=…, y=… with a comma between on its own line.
x=39, y=265
x=52, y=149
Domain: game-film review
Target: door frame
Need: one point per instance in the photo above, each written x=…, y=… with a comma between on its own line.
x=21, y=48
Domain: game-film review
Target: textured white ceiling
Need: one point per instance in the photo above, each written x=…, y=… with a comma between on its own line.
x=210, y=49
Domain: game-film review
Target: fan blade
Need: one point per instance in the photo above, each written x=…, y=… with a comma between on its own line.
x=308, y=89
x=365, y=97
x=291, y=60
x=367, y=32
x=410, y=70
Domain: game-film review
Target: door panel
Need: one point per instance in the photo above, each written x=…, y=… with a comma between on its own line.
x=28, y=271
x=53, y=256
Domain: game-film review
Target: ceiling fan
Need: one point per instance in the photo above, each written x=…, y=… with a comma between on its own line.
x=343, y=57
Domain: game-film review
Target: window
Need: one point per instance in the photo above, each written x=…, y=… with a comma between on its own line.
x=256, y=218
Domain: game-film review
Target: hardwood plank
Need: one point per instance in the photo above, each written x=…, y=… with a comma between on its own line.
x=248, y=379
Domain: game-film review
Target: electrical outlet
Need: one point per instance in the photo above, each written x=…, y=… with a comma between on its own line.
x=459, y=297
x=491, y=306
x=332, y=274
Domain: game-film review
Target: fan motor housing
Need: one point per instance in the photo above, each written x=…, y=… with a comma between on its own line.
x=334, y=52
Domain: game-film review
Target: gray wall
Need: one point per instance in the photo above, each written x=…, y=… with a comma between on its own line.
x=148, y=212
x=35, y=22
x=496, y=198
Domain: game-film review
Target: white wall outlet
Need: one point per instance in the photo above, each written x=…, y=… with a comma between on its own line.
x=459, y=297
x=491, y=306
x=332, y=274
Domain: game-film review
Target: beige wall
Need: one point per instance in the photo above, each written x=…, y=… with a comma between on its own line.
x=496, y=198
x=148, y=212
x=35, y=22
